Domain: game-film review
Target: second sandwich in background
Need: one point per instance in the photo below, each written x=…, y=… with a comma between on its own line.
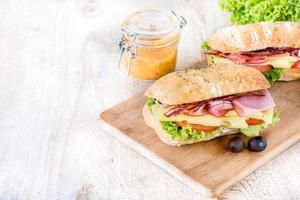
x=271, y=47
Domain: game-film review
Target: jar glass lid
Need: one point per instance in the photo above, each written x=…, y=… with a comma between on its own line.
x=151, y=22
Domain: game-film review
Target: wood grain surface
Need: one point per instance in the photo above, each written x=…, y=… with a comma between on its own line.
x=57, y=61
x=209, y=164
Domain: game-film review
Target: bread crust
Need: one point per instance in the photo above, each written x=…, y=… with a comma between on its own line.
x=192, y=85
x=250, y=37
x=164, y=137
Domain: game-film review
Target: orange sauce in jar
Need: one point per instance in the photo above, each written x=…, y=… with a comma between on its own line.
x=152, y=53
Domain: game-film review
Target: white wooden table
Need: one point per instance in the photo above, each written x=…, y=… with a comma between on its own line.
x=57, y=61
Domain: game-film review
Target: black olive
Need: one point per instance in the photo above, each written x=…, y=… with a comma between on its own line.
x=236, y=144
x=257, y=144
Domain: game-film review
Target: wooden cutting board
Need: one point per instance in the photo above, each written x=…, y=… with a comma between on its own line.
x=208, y=167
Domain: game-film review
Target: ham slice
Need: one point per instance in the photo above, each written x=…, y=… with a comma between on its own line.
x=257, y=59
x=260, y=53
x=296, y=53
x=173, y=111
x=219, y=108
x=197, y=111
x=247, y=105
x=244, y=104
x=271, y=51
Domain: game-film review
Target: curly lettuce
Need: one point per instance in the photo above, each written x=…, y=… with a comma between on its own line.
x=254, y=130
x=273, y=75
x=205, y=46
x=276, y=117
x=251, y=11
x=150, y=102
x=183, y=133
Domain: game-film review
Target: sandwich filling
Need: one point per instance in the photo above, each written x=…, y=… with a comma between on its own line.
x=248, y=113
x=270, y=61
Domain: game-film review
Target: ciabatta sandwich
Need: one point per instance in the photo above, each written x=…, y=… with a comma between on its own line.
x=200, y=104
x=271, y=47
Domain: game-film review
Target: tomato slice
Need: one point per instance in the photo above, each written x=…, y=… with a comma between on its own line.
x=262, y=68
x=296, y=65
x=198, y=127
x=252, y=121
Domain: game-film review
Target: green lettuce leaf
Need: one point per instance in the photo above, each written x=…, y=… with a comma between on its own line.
x=276, y=117
x=251, y=11
x=254, y=130
x=184, y=133
x=150, y=102
x=205, y=46
x=273, y=75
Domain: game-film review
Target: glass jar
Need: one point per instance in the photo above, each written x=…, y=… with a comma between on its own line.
x=149, y=43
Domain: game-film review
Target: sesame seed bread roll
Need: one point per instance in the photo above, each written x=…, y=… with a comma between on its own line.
x=192, y=85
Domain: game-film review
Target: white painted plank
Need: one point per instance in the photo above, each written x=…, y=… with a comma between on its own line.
x=57, y=66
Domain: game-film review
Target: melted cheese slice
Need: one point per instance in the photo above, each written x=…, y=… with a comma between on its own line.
x=231, y=119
